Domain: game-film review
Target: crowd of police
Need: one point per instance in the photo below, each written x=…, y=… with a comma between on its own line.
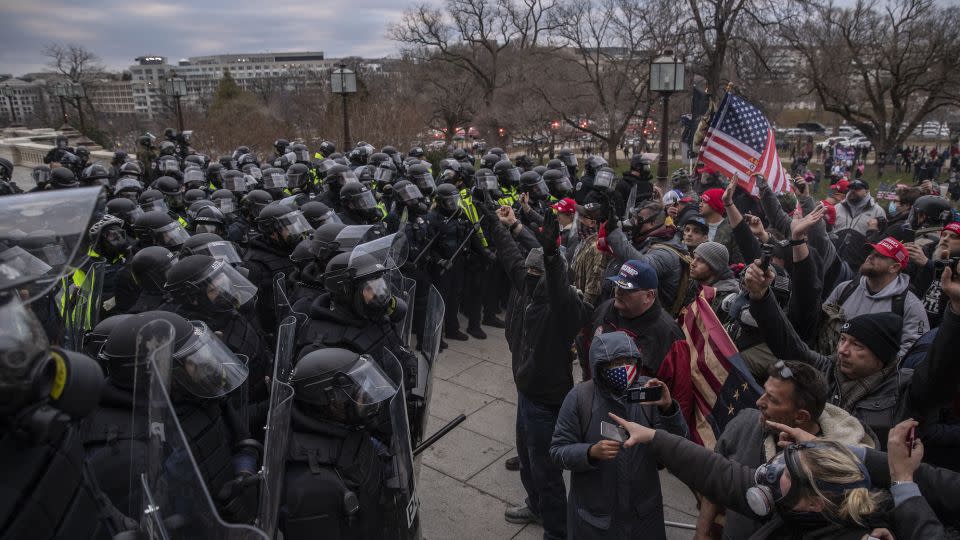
x=176, y=320
x=244, y=347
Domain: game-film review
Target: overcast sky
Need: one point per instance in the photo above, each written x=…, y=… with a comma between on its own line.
x=121, y=30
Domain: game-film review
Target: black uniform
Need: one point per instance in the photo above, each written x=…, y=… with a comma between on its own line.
x=265, y=260
x=452, y=232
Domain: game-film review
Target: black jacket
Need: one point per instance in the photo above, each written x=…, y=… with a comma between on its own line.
x=908, y=393
x=542, y=323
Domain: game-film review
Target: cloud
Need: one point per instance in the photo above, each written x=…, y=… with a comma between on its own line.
x=118, y=31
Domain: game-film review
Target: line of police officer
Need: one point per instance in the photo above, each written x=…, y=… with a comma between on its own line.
x=333, y=255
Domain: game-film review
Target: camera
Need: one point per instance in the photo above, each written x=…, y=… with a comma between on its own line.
x=939, y=265
x=645, y=394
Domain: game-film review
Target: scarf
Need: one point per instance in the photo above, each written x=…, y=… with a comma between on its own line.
x=854, y=390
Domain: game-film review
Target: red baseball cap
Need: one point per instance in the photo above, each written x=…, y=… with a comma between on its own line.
x=714, y=199
x=842, y=185
x=890, y=247
x=953, y=226
x=565, y=206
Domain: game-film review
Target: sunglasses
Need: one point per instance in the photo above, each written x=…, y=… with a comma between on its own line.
x=782, y=370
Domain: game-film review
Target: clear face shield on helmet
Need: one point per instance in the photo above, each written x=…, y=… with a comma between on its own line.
x=278, y=180
x=224, y=287
x=359, y=393
x=156, y=204
x=512, y=175
x=349, y=176
x=487, y=182
x=409, y=193
x=569, y=160
x=425, y=182
x=365, y=200
x=225, y=204
x=170, y=236
x=235, y=182
x=205, y=367
x=169, y=165
x=325, y=166
x=604, y=179
x=384, y=175
x=193, y=176
x=293, y=225
x=449, y=203
x=41, y=176
x=538, y=190
x=563, y=186
x=255, y=172
x=222, y=250
x=19, y=265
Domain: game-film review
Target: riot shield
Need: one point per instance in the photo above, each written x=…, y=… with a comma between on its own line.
x=426, y=358
x=176, y=502
x=353, y=235
x=277, y=430
x=402, y=516
x=283, y=306
x=52, y=227
x=82, y=307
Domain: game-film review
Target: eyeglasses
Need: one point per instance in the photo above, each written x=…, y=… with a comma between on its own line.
x=782, y=370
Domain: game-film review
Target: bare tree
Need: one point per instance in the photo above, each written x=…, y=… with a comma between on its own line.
x=601, y=73
x=882, y=66
x=476, y=36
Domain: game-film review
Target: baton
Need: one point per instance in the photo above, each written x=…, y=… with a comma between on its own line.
x=463, y=244
x=432, y=240
x=428, y=442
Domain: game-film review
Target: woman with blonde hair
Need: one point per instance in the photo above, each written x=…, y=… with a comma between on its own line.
x=814, y=489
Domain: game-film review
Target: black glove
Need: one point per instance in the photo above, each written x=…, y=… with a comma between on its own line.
x=548, y=234
x=613, y=220
x=239, y=498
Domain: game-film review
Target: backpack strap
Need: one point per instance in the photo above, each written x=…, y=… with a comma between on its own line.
x=683, y=284
x=584, y=406
x=847, y=291
x=898, y=301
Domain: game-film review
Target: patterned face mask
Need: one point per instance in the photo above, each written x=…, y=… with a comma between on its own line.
x=620, y=377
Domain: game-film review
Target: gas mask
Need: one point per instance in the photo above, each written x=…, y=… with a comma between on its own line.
x=766, y=497
x=619, y=378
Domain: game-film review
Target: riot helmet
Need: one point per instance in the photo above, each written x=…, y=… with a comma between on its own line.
x=568, y=158
x=934, y=209
x=337, y=177
x=327, y=149
x=605, y=180
x=157, y=228
x=208, y=283
x=320, y=247
x=193, y=195
x=128, y=187
x=280, y=146
x=193, y=178
x=108, y=237
x=210, y=244
x=225, y=201
x=124, y=209
x=209, y=219
x=358, y=283
x=593, y=164
x=507, y=174
x=489, y=161
x=95, y=174
x=420, y=175
x=341, y=386
x=63, y=178
x=153, y=200
x=357, y=198
x=298, y=176
x=318, y=214
x=253, y=202
x=172, y=193
x=41, y=175
x=448, y=199
x=558, y=183
x=534, y=185
x=149, y=267
x=131, y=168
x=385, y=171
x=282, y=224
x=235, y=181
x=416, y=152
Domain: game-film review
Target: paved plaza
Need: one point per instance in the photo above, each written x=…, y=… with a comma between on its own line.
x=464, y=486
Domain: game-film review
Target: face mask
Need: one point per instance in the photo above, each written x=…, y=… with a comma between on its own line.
x=892, y=208
x=584, y=231
x=532, y=281
x=619, y=378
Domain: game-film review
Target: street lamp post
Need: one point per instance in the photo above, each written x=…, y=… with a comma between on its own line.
x=344, y=81
x=76, y=90
x=8, y=92
x=177, y=87
x=61, y=91
x=666, y=77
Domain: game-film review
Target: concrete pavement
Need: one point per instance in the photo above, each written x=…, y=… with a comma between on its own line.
x=464, y=487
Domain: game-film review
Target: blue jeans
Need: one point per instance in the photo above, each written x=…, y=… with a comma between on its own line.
x=542, y=479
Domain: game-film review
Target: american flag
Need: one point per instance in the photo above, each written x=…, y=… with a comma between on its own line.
x=721, y=383
x=740, y=143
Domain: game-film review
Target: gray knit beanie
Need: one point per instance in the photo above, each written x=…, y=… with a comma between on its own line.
x=715, y=255
x=535, y=259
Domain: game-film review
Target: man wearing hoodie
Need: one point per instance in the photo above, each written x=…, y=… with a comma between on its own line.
x=795, y=395
x=711, y=267
x=884, y=288
x=615, y=491
x=857, y=209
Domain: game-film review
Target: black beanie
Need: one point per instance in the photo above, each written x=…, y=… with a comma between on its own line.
x=880, y=332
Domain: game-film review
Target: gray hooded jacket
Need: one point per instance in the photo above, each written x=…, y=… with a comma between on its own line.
x=619, y=498
x=862, y=302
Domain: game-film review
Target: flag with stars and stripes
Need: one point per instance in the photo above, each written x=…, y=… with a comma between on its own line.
x=721, y=382
x=740, y=143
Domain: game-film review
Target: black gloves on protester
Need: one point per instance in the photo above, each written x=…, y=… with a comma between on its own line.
x=548, y=234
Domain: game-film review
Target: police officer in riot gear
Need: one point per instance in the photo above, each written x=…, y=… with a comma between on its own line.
x=311, y=257
x=590, y=168
x=337, y=464
x=358, y=205
x=558, y=183
x=448, y=259
x=281, y=229
x=148, y=269
x=337, y=177
x=157, y=228
x=44, y=393
x=204, y=374
x=207, y=289
x=319, y=214
x=126, y=210
x=419, y=174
